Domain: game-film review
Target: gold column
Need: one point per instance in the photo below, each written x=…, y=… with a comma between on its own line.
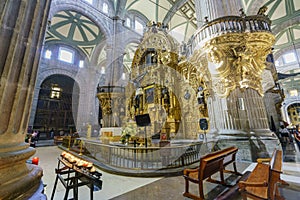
x=22, y=28
x=113, y=107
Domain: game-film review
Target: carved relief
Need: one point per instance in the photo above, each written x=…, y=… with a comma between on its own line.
x=239, y=60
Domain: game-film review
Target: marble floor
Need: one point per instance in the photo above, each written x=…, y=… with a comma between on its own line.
x=118, y=187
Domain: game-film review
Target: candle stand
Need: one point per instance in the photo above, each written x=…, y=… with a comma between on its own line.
x=74, y=173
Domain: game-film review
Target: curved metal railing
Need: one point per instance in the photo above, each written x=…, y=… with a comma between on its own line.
x=142, y=158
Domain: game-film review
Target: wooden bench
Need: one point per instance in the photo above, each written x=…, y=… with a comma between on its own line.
x=209, y=165
x=263, y=180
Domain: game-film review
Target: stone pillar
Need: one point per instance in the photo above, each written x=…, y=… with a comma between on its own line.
x=216, y=8
x=22, y=28
x=240, y=113
x=272, y=101
x=236, y=69
x=201, y=12
x=236, y=60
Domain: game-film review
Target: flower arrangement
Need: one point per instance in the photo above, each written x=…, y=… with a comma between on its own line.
x=128, y=131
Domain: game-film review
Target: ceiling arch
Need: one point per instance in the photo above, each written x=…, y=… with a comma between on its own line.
x=285, y=17
x=74, y=29
x=129, y=55
x=179, y=15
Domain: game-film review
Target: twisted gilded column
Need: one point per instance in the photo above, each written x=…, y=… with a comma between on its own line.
x=22, y=27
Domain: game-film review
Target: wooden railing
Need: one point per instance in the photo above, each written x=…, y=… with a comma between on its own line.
x=230, y=24
x=142, y=158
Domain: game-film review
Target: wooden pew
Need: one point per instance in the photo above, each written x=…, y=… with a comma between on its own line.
x=263, y=180
x=209, y=165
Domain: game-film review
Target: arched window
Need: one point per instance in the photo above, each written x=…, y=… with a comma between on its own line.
x=138, y=27
x=128, y=22
x=48, y=54
x=289, y=58
x=66, y=55
x=81, y=63
x=105, y=8
x=89, y=1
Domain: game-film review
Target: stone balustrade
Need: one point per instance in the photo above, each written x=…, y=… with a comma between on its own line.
x=229, y=24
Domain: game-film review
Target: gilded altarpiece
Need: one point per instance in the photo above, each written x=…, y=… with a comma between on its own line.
x=166, y=86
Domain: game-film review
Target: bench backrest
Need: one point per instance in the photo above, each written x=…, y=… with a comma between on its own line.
x=276, y=161
x=215, y=161
x=230, y=155
x=275, y=171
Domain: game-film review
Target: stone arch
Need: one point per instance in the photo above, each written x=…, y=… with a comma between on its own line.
x=287, y=105
x=282, y=51
x=45, y=73
x=288, y=23
x=56, y=114
x=131, y=39
x=138, y=15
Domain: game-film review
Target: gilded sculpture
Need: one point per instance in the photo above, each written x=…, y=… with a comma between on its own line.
x=165, y=81
x=239, y=60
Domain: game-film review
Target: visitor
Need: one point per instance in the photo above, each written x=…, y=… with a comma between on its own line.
x=284, y=134
x=297, y=135
x=52, y=133
x=37, y=135
x=33, y=139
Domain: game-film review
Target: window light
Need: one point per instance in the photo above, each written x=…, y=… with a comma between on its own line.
x=66, y=55
x=293, y=93
x=81, y=63
x=139, y=27
x=123, y=76
x=105, y=8
x=102, y=70
x=55, y=92
x=128, y=22
x=289, y=58
x=89, y=1
x=48, y=54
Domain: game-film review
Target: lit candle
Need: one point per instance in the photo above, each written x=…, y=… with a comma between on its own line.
x=35, y=160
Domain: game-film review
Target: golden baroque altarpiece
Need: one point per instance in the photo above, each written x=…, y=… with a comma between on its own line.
x=174, y=89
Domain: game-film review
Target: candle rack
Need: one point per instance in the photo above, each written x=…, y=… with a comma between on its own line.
x=73, y=173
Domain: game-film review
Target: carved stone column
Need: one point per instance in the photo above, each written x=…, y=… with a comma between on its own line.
x=237, y=62
x=22, y=27
x=112, y=101
x=237, y=48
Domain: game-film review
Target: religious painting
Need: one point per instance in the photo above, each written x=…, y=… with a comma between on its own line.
x=149, y=94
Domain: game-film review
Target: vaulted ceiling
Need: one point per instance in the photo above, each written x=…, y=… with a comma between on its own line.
x=178, y=14
x=75, y=29
x=285, y=16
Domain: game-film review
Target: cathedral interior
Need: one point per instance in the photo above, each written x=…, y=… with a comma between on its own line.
x=144, y=88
